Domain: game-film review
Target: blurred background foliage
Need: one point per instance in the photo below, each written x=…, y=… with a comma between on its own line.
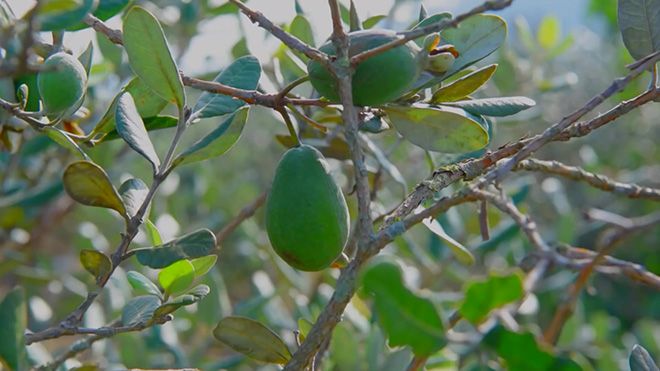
x=557, y=63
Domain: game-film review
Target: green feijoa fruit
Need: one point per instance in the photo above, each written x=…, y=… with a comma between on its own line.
x=62, y=82
x=378, y=80
x=306, y=214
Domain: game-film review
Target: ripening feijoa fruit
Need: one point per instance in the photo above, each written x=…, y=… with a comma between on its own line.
x=62, y=82
x=379, y=79
x=306, y=214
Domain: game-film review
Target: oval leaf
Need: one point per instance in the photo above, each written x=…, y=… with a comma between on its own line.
x=481, y=297
x=408, y=319
x=88, y=184
x=131, y=128
x=96, y=263
x=133, y=192
x=142, y=284
x=192, y=297
x=139, y=310
x=464, y=86
x=148, y=105
x=461, y=253
x=217, y=142
x=13, y=323
x=639, y=23
x=177, y=277
x=475, y=38
x=204, y=264
x=193, y=245
x=150, y=57
x=504, y=106
x=445, y=129
x=253, y=339
x=243, y=73
x=641, y=360
x=60, y=14
x=522, y=352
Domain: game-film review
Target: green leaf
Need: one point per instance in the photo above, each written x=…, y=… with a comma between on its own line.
x=503, y=106
x=408, y=319
x=111, y=52
x=193, y=245
x=216, y=142
x=461, y=253
x=176, y=278
x=196, y=294
x=142, y=284
x=204, y=264
x=549, y=32
x=226, y=8
x=442, y=129
x=243, y=73
x=60, y=14
x=86, y=57
x=133, y=192
x=240, y=49
x=355, y=24
x=641, y=360
x=64, y=140
x=522, y=353
x=639, y=23
x=435, y=18
x=464, y=86
x=475, y=38
x=152, y=233
x=302, y=29
x=481, y=297
x=88, y=184
x=13, y=317
x=148, y=104
x=253, y=339
x=131, y=128
x=139, y=310
x=150, y=123
x=150, y=57
x=372, y=21
x=96, y=263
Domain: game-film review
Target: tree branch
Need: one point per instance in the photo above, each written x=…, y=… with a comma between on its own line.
x=553, y=131
x=596, y=180
x=288, y=39
x=245, y=214
x=473, y=168
x=435, y=27
x=96, y=335
x=610, y=239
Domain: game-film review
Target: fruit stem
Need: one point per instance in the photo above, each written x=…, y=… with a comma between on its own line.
x=289, y=125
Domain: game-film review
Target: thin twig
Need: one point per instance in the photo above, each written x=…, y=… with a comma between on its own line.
x=243, y=215
x=119, y=255
x=435, y=27
x=578, y=258
x=288, y=39
x=501, y=170
x=610, y=239
x=248, y=96
x=99, y=334
x=596, y=180
x=473, y=168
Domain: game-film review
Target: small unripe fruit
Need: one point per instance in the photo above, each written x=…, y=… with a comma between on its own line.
x=377, y=80
x=62, y=83
x=440, y=63
x=306, y=214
